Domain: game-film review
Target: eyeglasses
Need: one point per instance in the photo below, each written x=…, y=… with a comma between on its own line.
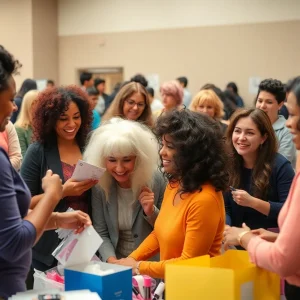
x=133, y=103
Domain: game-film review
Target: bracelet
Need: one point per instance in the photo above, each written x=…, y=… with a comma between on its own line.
x=151, y=213
x=138, y=268
x=240, y=236
x=55, y=220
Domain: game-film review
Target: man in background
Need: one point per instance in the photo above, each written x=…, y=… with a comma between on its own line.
x=140, y=78
x=86, y=80
x=93, y=97
x=104, y=100
x=187, y=97
x=50, y=83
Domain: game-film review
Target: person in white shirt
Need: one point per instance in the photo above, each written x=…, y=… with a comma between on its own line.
x=155, y=103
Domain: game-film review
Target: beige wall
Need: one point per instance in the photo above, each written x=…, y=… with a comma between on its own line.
x=16, y=33
x=28, y=29
x=45, y=39
x=95, y=16
x=205, y=54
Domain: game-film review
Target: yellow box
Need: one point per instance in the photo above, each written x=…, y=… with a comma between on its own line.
x=230, y=276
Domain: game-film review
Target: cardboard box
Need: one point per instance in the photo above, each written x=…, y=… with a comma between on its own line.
x=116, y=286
x=230, y=276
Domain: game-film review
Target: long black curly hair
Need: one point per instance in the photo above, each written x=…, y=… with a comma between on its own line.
x=8, y=67
x=200, y=150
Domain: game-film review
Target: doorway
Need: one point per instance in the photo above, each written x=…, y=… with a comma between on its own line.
x=112, y=76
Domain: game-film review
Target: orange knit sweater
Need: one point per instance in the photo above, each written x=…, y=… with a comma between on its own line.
x=192, y=228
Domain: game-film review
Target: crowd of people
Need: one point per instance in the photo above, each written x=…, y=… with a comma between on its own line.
x=184, y=174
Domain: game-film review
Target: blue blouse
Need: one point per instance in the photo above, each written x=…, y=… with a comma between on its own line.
x=17, y=236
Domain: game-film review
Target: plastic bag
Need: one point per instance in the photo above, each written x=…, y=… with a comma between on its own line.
x=65, y=248
x=42, y=282
x=78, y=248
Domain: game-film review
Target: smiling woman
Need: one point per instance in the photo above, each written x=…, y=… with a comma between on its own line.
x=208, y=102
x=8, y=106
x=278, y=253
x=21, y=228
x=191, y=220
x=261, y=176
x=131, y=103
x=127, y=199
x=61, y=121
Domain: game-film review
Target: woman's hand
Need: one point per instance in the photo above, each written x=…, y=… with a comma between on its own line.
x=242, y=198
x=128, y=262
x=112, y=260
x=76, y=188
x=73, y=220
x=265, y=234
x=146, y=199
x=52, y=183
x=231, y=235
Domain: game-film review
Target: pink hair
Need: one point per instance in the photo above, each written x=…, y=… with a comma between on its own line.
x=174, y=89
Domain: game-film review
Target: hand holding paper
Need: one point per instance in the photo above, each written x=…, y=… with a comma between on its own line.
x=73, y=187
x=85, y=171
x=85, y=176
x=77, y=220
x=78, y=248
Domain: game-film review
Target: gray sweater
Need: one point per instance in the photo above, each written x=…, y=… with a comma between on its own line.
x=285, y=140
x=105, y=216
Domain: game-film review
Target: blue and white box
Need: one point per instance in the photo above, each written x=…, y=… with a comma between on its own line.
x=113, y=286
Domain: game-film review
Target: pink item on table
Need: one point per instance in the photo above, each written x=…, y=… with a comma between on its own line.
x=147, y=287
x=55, y=277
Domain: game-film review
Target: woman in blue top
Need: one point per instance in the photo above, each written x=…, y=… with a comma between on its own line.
x=20, y=230
x=260, y=178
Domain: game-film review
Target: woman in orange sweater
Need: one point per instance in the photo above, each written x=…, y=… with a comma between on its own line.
x=192, y=216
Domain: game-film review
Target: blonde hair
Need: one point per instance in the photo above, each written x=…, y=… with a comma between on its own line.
x=24, y=120
x=116, y=108
x=120, y=138
x=209, y=97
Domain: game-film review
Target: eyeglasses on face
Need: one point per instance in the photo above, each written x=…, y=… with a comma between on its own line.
x=133, y=103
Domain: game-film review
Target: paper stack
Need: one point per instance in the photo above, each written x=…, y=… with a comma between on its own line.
x=56, y=295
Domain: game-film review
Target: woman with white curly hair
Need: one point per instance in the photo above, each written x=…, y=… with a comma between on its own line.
x=126, y=202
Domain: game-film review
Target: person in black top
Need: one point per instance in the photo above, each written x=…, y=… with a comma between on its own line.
x=260, y=178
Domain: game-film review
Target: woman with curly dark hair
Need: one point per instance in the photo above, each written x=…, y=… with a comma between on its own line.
x=260, y=178
x=192, y=217
x=21, y=228
x=61, y=122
